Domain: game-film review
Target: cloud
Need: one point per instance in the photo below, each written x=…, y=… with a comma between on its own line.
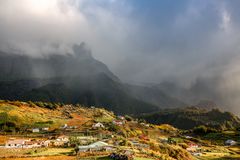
x=143, y=41
x=34, y=27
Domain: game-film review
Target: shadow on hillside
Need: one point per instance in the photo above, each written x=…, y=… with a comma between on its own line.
x=226, y=158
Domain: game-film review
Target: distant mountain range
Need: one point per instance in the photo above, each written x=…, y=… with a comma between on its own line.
x=76, y=78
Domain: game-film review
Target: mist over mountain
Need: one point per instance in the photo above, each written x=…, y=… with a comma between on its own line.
x=75, y=78
x=192, y=45
x=20, y=67
x=214, y=92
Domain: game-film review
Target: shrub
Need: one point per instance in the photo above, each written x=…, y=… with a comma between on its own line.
x=128, y=118
x=113, y=128
x=202, y=130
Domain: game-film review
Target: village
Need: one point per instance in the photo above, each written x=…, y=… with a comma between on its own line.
x=98, y=141
x=86, y=133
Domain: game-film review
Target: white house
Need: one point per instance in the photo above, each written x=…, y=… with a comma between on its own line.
x=121, y=117
x=32, y=144
x=98, y=125
x=192, y=147
x=23, y=143
x=15, y=143
x=35, y=130
x=230, y=142
x=63, y=138
x=118, y=122
x=97, y=146
x=45, y=129
x=64, y=126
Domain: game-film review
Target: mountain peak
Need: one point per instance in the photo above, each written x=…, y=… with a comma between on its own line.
x=81, y=50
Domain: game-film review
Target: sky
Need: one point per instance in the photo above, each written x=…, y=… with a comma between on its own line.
x=141, y=41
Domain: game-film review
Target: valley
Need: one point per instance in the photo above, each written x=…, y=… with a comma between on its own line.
x=30, y=130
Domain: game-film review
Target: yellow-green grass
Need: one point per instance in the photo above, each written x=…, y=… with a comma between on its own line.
x=34, y=152
x=54, y=151
x=27, y=116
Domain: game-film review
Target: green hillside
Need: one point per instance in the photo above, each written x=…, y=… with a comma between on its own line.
x=190, y=117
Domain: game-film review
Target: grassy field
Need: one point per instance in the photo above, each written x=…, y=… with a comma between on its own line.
x=44, y=158
x=40, y=152
x=23, y=115
x=54, y=151
x=221, y=154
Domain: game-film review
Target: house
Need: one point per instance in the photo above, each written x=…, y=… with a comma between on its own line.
x=197, y=154
x=32, y=144
x=56, y=143
x=64, y=126
x=98, y=125
x=23, y=143
x=145, y=125
x=230, y=142
x=35, y=130
x=72, y=127
x=121, y=117
x=46, y=143
x=60, y=141
x=97, y=146
x=188, y=137
x=192, y=147
x=45, y=129
x=15, y=143
x=63, y=138
x=118, y=122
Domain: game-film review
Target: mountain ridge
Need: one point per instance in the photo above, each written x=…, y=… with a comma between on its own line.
x=75, y=78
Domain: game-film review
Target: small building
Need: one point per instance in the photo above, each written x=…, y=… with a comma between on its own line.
x=197, y=154
x=32, y=144
x=98, y=125
x=121, y=117
x=63, y=138
x=56, y=143
x=45, y=143
x=45, y=129
x=23, y=143
x=97, y=146
x=60, y=141
x=145, y=125
x=118, y=122
x=35, y=130
x=192, y=147
x=230, y=142
x=188, y=137
x=15, y=143
x=64, y=126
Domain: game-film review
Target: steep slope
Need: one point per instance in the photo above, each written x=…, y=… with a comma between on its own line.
x=98, y=90
x=75, y=78
x=81, y=63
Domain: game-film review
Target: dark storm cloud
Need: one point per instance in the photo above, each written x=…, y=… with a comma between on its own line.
x=140, y=40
